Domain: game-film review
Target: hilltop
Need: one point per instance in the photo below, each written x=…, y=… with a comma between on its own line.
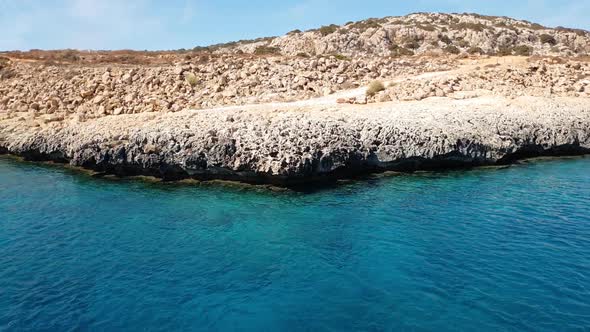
x=423, y=33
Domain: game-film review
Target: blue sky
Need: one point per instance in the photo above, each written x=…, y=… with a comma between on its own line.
x=173, y=24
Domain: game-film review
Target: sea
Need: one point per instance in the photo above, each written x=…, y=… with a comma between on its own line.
x=491, y=249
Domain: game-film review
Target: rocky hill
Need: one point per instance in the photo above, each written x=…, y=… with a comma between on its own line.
x=423, y=33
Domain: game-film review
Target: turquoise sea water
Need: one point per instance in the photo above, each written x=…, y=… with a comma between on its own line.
x=481, y=250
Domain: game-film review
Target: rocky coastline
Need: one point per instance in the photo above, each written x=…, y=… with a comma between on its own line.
x=293, y=146
x=421, y=92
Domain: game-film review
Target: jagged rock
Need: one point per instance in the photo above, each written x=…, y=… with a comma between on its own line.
x=289, y=146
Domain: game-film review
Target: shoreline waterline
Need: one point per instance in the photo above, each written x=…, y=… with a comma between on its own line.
x=303, y=188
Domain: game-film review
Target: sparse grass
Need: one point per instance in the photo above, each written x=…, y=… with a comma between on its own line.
x=191, y=79
x=375, y=87
x=264, y=50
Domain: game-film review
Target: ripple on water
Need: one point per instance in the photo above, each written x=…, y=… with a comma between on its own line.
x=484, y=250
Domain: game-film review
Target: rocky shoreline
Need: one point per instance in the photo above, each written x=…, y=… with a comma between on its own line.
x=422, y=92
x=289, y=146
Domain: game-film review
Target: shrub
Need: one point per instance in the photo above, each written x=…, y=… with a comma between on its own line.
x=375, y=87
x=303, y=55
x=578, y=32
x=463, y=43
x=412, y=42
x=400, y=51
x=427, y=27
x=445, y=39
x=504, y=51
x=191, y=79
x=4, y=61
x=366, y=24
x=475, y=50
x=548, y=39
x=71, y=56
x=523, y=50
x=328, y=29
x=341, y=57
x=452, y=49
x=263, y=50
x=469, y=26
x=294, y=32
x=412, y=45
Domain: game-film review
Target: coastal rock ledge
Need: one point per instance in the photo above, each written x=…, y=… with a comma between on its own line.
x=294, y=144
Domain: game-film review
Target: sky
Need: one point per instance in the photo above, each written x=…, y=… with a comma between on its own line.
x=175, y=24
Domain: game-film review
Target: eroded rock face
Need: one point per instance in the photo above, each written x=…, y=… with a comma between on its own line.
x=289, y=146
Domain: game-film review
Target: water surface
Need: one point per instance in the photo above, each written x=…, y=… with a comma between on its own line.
x=485, y=250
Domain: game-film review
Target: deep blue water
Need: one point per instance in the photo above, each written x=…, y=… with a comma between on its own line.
x=485, y=250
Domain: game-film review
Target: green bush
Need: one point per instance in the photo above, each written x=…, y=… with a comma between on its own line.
x=451, y=49
x=445, y=39
x=463, y=43
x=412, y=42
x=396, y=51
x=364, y=25
x=548, y=39
x=469, y=26
x=375, y=87
x=412, y=45
x=523, y=50
x=475, y=50
x=504, y=51
x=328, y=29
